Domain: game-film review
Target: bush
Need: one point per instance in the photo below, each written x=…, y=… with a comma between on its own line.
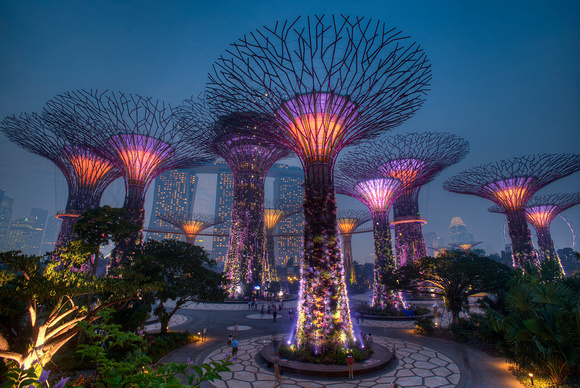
x=388, y=311
x=424, y=326
x=159, y=346
x=337, y=357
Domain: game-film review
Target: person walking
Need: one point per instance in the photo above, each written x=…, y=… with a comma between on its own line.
x=291, y=314
x=274, y=314
x=235, y=345
x=262, y=311
x=277, y=372
x=370, y=338
x=350, y=363
x=250, y=305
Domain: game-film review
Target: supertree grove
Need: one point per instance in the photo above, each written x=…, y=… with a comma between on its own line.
x=329, y=83
x=190, y=224
x=87, y=174
x=274, y=213
x=540, y=212
x=510, y=184
x=250, y=157
x=136, y=134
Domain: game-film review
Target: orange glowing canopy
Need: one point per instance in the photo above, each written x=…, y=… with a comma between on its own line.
x=347, y=225
x=405, y=170
x=191, y=228
x=379, y=194
x=512, y=194
x=541, y=216
x=317, y=123
x=272, y=217
x=89, y=169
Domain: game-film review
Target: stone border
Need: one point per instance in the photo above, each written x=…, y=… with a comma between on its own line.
x=379, y=360
x=396, y=317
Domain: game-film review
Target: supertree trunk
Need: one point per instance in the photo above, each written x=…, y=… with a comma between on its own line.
x=546, y=248
x=348, y=261
x=134, y=204
x=522, y=246
x=409, y=240
x=246, y=258
x=323, y=315
x=384, y=259
x=271, y=256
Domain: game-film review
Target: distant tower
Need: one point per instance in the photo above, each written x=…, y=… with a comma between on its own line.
x=86, y=173
x=348, y=222
x=190, y=224
x=458, y=232
x=53, y=226
x=540, y=212
x=5, y=217
x=174, y=193
x=431, y=242
x=466, y=246
x=38, y=222
x=510, y=184
x=137, y=134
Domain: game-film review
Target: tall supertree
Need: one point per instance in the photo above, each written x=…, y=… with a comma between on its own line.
x=540, y=212
x=250, y=156
x=348, y=222
x=510, y=184
x=329, y=82
x=137, y=134
x=274, y=213
x=415, y=159
x=190, y=224
x=87, y=174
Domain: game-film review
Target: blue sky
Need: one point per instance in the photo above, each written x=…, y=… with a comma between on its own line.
x=505, y=77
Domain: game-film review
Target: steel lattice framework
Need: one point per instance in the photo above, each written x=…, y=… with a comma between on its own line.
x=190, y=224
x=415, y=159
x=137, y=134
x=511, y=184
x=274, y=213
x=235, y=138
x=329, y=82
x=540, y=212
x=348, y=222
x=87, y=174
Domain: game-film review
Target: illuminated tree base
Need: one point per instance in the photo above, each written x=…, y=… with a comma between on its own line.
x=384, y=260
x=522, y=247
x=409, y=243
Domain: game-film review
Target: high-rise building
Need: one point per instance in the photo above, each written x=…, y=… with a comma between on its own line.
x=458, y=233
x=174, y=193
x=5, y=217
x=223, y=209
x=289, y=188
x=38, y=222
x=19, y=235
x=430, y=242
x=50, y=234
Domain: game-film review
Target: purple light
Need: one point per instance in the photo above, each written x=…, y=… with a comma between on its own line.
x=379, y=194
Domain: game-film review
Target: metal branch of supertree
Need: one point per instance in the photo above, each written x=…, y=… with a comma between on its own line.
x=250, y=156
x=348, y=222
x=190, y=224
x=540, y=212
x=328, y=82
x=511, y=184
x=137, y=134
x=86, y=173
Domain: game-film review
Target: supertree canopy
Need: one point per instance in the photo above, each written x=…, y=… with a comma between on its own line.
x=328, y=82
x=190, y=224
x=137, y=134
x=540, y=212
x=250, y=156
x=378, y=194
x=465, y=246
x=510, y=184
x=274, y=213
x=86, y=173
x=348, y=222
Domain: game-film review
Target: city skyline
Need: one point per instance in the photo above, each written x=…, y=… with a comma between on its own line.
x=505, y=78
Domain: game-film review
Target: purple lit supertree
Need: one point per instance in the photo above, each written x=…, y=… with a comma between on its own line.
x=510, y=184
x=137, y=134
x=348, y=222
x=250, y=156
x=87, y=174
x=190, y=224
x=378, y=194
x=274, y=213
x=415, y=159
x=540, y=212
x=329, y=83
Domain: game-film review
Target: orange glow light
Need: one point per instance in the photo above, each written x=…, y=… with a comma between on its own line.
x=89, y=169
x=512, y=193
x=192, y=228
x=347, y=225
x=272, y=217
x=379, y=194
x=405, y=170
x=541, y=216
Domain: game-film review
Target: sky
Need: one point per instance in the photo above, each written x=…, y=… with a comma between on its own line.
x=506, y=77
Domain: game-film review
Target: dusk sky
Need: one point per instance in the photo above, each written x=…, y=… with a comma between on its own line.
x=506, y=77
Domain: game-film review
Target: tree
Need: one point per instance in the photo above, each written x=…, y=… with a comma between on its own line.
x=455, y=276
x=185, y=272
x=45, y=300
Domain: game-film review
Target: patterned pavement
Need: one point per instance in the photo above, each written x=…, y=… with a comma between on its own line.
x=415, y=366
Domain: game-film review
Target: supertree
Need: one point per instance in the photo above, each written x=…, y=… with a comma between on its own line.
x=137, y=134
x=190, y=224
x=540, y=212
x=415, y=159
x=250, y=156
x=274, y=213
x=510, y=184
x=87, y=174
x=465, y=246
x=329, y=83
x=348, y=222
x=378, y=194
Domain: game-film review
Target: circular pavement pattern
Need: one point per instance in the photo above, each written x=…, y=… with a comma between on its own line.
x=416, y=366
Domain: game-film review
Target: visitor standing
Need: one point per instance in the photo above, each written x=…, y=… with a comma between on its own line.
x=274, y=315
x=249, y=305
x=350, y=363
x=291, y=314
x=235, y=345
x=370, y=338
x=230, y=339
x=277, y=373
x=262, y=311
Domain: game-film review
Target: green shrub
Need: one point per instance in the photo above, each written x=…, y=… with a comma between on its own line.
x=424, y=325
x=337, y=357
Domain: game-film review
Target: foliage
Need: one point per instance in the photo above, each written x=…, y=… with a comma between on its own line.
x=336, y=356
x=455, y=276
x=542, y=329
x=388, y=311
x=185, y=272
x=133, y=370
x=31, y=377
x=424, y=325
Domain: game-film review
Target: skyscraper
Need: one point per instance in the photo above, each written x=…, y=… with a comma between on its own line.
x=223, y=209
x=38, y=222
x=174, y=193
x=5, y=217
x=458, y=232
x=430, y=242
x=50, y=234
x=25, y=234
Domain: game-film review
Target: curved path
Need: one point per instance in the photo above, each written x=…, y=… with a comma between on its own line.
x=421, y=361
